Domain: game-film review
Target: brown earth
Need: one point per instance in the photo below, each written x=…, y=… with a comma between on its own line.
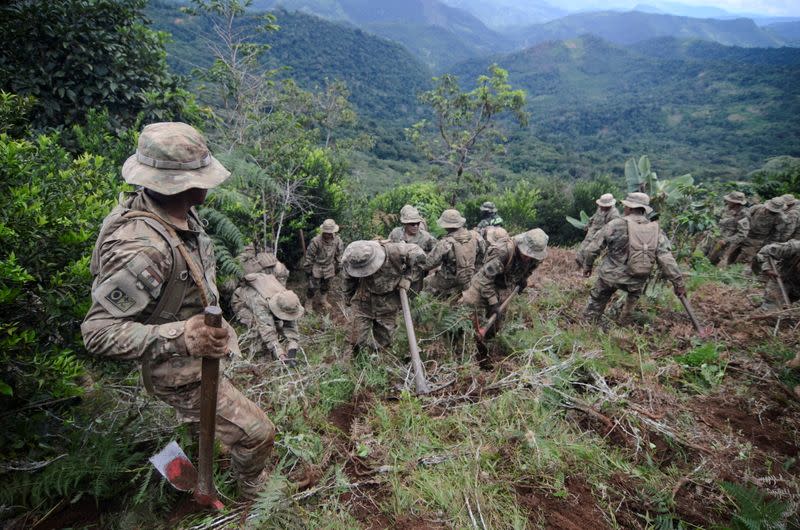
x=576, y=510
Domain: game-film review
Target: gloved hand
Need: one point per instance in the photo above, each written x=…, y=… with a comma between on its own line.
x=404, y=284
x=205, y=341
x=680, y=290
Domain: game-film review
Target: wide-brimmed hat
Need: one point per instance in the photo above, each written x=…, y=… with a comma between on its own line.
x=493, y=234
x=451, y=219
x=789, y=199
x=286, y=306
x=638, y=199
x=489, y=206
x=173, y=157
x=775, y=205
x=606, y=200
x=329, y=226
x=736, y=197
x=409, y=214
x=363, y=258
x=532, y=243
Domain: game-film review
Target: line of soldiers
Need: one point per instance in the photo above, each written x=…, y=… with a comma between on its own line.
x=154, y=273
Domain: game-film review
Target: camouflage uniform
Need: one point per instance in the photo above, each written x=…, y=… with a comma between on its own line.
x=767, y=225
x=734, y=226
x=792, y=229
x=322, y=261
x=489, y=217
x=787, y=260
x=251, y=304
x=143, y=294
x=606, y=212
x=374, y=296
x=456, y=255
x=264, y=262
x=422, y=239
x=614, y=273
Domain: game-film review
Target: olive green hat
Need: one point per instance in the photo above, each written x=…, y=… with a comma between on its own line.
x=638, y=199
x=286, y=306
x=488, y=206
x=173, y=157
x=329, y=226
x=775, y=205
x=532, y=243
x=409, y=214
x=736, y=197
x=363, y=258
x=606, y=200
x=451, y=219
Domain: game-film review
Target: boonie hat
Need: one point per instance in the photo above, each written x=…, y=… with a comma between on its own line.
x=329, y=226
x=409, y=214
x=532, y=243
x=606, y=200
x=286, y=306
x=638, y=199
x=495, y=234
x=775, y=205
x=363, y=258
x=736, y=197
x=173, y=157
x=488, y=206
x=451, y=219
x=789, y=199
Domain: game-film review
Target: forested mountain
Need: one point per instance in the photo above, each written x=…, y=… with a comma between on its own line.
x=382, y=76
x=635, y=26
x=788, y=31
x=510, y=13
x=704, y=108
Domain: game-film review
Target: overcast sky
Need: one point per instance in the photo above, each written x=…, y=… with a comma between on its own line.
x=757, y=7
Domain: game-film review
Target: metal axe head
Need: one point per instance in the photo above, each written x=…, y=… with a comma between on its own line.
x=175, y=466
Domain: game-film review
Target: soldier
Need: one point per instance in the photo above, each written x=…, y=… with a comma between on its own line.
x=509, y=262
x=606, y=211
x=412, y=230
x=154, y=272
x=373, y=273
x=733, y=228
x=322, y=263
x=634, y=245
x=489, y=218
x=767, y=225
x=792, y=229
x=262, y=262
x=787, y=259
x=456, y=255
x=263, y=304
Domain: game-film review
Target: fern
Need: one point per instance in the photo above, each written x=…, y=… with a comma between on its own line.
x=274, y=508
x=228, y=242
x=754, y=510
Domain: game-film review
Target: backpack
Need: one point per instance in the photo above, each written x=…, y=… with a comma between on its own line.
x=642, y=246
x=466, y=255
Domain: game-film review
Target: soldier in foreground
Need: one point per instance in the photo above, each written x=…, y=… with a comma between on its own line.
x=489, y=217
x=322, y=263
x=734, y=226
x=767, y=225
x=456, y=255
x=154, y=273
x=373, y=273
x=262, y=262
x=634, y=245
x=509, y=262
x=606, y=211
x=262, y=304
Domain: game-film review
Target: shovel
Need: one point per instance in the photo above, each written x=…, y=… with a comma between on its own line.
x=172, y=462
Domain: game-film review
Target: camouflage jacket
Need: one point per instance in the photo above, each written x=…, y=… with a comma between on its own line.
x=734, y=226
x=132, y=264
x=787, y=259
x=401, y=261
x=614, y=269
x=460, y=246
x=503, y=267
x=423, y=239
x=765, y=226
x=792, y=229
x=486, y=222
x=323, y=259
x=265, y=262
x=250, y=304
x=598, y=221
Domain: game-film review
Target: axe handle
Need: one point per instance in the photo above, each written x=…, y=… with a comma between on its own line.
x=419, y=374
x=689, y=311
x=206, y=493
x=492, y=319
x=778, y=279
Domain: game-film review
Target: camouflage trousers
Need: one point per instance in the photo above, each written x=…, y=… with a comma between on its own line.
x=602, y=292
x=374, y=320
x=773, y=298
x=748, y=250
x=315, y=284
x=717, y=250
x=241, y=424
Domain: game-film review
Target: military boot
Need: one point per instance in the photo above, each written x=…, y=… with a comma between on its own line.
x=309, y=305
x=324, y=303
x=626, y=314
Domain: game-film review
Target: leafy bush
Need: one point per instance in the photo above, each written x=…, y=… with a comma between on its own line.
x=778, y=176
x=424, y=196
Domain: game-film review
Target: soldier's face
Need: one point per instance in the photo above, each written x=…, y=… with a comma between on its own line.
x=195, y=196
x=327, y=237
x=605, y=208
x=411, y=229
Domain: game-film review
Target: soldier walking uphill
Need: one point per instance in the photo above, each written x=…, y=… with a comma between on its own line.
x=733, y=228
x=456, y=255
x=373, y=273
x=489, y=218
x=634, y=245
x=264, y=305
x=767, y=225
x=413, y=232
x=509, y=262
x=154, y=272
x=606, y=211
x=322, y=262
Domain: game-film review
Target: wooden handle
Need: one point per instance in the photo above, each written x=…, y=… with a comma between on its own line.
x=213, y=316
x=419, y=371
x=205, y=493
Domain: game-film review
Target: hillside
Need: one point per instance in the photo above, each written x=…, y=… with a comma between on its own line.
x=501, y=14
x=788, y=31
x=635, y=26
x=699, y=107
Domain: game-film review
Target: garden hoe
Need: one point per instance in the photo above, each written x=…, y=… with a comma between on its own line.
x=172, y=462
x=416, y=362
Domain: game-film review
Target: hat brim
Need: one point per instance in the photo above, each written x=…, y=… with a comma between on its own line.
x=445, y=224
x=174, y=181
x=284, y=315
x=772, y=208
x=606, y=204
x=527, y=250
x=734, y=201
x=379, y=256
x=333, y=231
x=411, y=220
x=631, y=204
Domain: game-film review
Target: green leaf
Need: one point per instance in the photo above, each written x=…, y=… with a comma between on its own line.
x=5, y=389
